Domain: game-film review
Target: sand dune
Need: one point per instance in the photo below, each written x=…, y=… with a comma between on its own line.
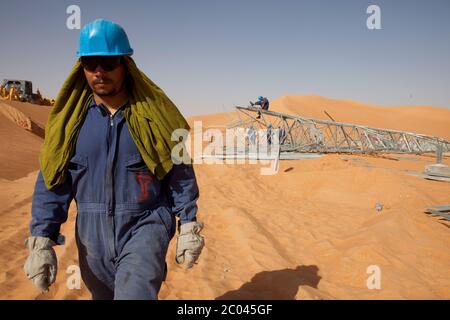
x=20, y=139
x=419, y=119
x=308, y=232
x=37, y=113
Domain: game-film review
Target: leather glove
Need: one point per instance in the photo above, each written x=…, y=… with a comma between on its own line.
x=41, y=264
x=189, y=244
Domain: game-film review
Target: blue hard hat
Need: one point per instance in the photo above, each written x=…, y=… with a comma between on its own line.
x=103, y=38
x=260, y=98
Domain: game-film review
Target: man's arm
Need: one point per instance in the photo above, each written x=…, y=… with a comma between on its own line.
x=182, y=190
x=183, y=193
x=50, y=208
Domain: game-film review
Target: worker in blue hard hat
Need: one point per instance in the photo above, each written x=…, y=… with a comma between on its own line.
x=251, y=135
x=102, y=46
x=263, y=103
x=269, y=134
x=108, y=147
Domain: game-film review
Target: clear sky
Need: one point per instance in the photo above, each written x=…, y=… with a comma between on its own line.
x=211, y=55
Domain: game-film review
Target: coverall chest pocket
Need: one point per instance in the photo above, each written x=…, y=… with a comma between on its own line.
x=142, y=186
x=78, y=170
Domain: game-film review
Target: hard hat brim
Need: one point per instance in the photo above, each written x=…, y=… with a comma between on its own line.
x=102, y=53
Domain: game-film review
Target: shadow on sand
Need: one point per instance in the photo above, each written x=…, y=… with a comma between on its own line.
x=275, y=285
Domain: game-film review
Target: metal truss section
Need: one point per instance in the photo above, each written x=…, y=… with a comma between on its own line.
x=303, y=134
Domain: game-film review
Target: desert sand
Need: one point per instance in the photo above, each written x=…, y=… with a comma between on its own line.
x=309, y=232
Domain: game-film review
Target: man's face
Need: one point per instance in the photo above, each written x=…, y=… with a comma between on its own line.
x=105, y=75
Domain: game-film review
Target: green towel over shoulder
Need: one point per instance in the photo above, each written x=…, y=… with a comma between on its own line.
x=151, y=118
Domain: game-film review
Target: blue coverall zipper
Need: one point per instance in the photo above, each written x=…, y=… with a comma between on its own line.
x=109, y=185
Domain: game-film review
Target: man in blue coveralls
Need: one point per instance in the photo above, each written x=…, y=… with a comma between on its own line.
x=263, y=103
x=122, y=250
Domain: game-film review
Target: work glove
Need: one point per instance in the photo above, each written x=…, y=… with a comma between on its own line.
x=189, y=244
x=252, y=104
x=41, y=264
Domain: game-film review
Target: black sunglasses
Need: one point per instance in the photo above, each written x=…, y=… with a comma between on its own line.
x=106, y=63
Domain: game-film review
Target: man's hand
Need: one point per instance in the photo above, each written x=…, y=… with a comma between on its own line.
x=41, y=264
x=252, y=104
x=189, y=243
